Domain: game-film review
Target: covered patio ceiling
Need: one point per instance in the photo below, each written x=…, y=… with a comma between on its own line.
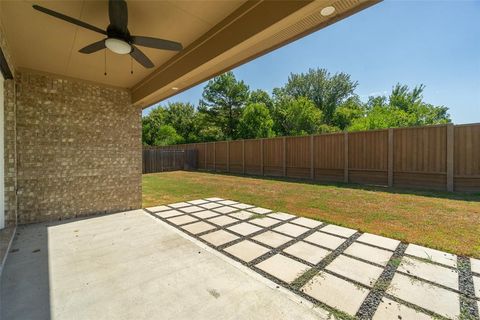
x=216, y=36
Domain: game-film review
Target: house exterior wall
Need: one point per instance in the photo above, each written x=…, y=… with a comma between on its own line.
x=78, y=148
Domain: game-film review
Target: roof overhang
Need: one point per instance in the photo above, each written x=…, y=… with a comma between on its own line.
x=217, y=36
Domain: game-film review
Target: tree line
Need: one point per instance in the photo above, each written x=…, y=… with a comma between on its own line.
x=309, y=103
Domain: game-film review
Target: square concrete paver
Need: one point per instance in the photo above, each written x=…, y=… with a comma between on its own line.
x=220, y=237
x=244, y=228
x=264, y=221
x=325, y=240
x=242, y=215
x=228, y=202
x=198, y=227
x=182, y=220
x=242, y=206
x=425, y=295
x=247, y=250
x=389, y=309
x=429, y=271
x=283, y=268
x=307, y=252
x=158, y=208
x=214, y=199
x=379, y=241
x=281, y=215
x=168, y=213
x=197, y=202
x=475, y=265
x=205, y=214
x=191, y=209
x=222, y=220
x=369, y=253
x=259, y=210
x=225, y=209
x=359, y=271
x=306, y=222
x=210, y=205
x=272, y=239
x=336, y=292
x=179, y=205
x=441, y=257
x=476, y=286
x=339, y=231
x=291, y=229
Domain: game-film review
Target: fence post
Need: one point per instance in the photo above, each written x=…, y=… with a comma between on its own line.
x=261, y=156
x=284, y=156
x=243, y=156
x=174, y=158
x=228, y=155
x=345, y=169
x=390, y=157
x=214, y=156
x=312, y=170
x=205, y=150
x=450, y=156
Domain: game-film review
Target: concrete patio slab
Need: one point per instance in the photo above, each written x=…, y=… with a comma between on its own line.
x=368, y=253
x=169, y=213
x=199, y=201
x=264, y=221
x=475, y=265
x=227, y=202
x=272, y=239
x=205, y=214
x=142, y=269
x=476, y=285
x=283, y=268
x=182, y=219
x=179, y=205
x=224, y=209
x=247, y=250
x=429, y=271
x=389, y=309
x=336, y=292
x=379, y=241
x=259, y=210
x=291, y=229
x=191, y=209
x=210, y=205
x=219, y=237
x=430, y=297
x=353, y=269
x=437, y=256
x=242, y=206
x=339, y=231
x=222, y=220
x=307, y=252
x=158, y=208
x=325, y=240
x=282, y=215
x=242, y=215
x=244, y=228
x=306, y=222
x=214, y=199
x=198, y=227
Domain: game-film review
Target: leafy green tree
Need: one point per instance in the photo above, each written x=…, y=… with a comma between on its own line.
x=151, y=125
x=325, y=90
x=181, y=116
x=255, y=122
x=261, y=96
x=297, y=116
x=223, y=100
x=166, y=136
x=347, y=112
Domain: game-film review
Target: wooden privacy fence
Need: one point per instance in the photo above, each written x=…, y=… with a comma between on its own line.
x=441, y=157
x=160, y=159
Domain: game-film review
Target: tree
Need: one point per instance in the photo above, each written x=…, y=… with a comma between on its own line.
x=151, y=125
x=297, y=116
x=403, y=108
x=255, y=122
x=261, y=96
x=347, y=112
x=166, y=136
x=223, y=99
x=181, y=116
x=325, y=90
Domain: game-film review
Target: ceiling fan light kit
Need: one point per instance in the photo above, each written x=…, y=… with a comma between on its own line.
x=118, y=38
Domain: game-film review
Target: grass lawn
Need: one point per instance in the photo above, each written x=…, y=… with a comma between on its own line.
x=449, y=222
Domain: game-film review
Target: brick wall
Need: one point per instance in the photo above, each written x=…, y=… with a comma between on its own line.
x=78, y=148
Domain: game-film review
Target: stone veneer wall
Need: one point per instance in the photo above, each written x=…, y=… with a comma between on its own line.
x=78, y=148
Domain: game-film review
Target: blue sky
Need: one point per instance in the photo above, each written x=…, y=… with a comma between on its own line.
x=436, y=43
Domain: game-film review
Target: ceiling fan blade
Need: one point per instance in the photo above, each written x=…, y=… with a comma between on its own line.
x=141, y=58
x=118, y=14
x=94, y=47
x=68, y=19
x=157, y=43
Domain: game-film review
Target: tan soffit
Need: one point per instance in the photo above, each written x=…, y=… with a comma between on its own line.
x=217, y=36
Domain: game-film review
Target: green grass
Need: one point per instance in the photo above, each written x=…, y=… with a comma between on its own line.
x=445, y=221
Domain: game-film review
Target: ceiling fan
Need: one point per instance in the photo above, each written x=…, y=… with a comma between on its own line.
x=118, y=37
